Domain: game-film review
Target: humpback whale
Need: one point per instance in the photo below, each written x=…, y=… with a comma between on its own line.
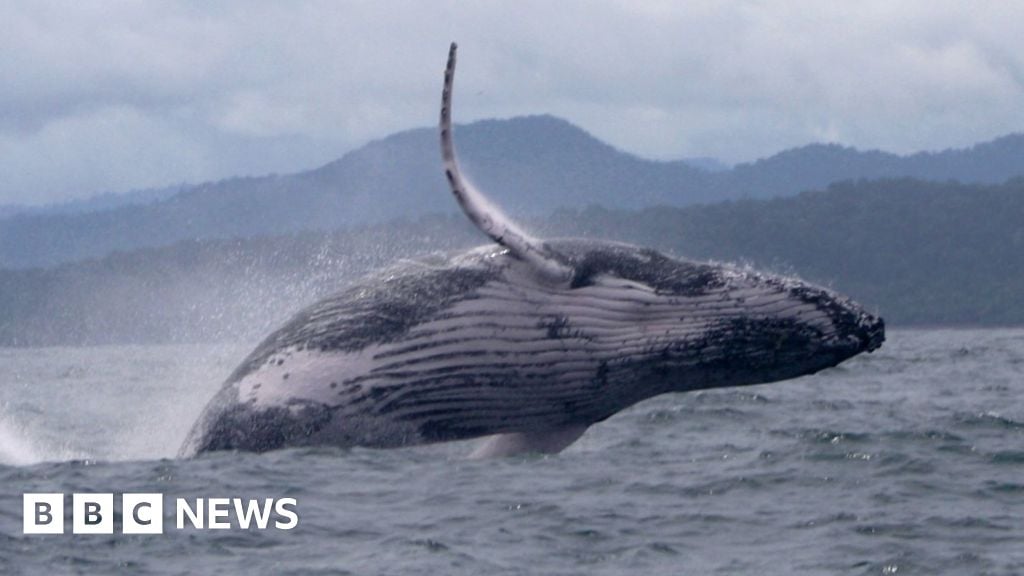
x=524, y=341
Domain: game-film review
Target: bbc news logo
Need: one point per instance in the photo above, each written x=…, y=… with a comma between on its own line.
x=143, y=513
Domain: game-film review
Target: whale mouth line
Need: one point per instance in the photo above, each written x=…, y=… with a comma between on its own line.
x=874, y=335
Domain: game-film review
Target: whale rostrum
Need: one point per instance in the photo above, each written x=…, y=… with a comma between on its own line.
x=525, y=341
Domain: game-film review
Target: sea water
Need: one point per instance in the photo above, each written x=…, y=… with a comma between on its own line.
x=906, y=461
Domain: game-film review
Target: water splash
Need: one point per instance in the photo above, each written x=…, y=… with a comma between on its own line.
x=16, y=449
x=21, y=444
x=105, y=403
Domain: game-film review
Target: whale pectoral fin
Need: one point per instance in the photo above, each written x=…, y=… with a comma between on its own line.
x=487, y=217
x=541, y=442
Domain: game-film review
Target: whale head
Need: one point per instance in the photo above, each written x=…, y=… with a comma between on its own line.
x=683, y=325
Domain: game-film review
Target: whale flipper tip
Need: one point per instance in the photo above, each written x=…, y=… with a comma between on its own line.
x=537, y=442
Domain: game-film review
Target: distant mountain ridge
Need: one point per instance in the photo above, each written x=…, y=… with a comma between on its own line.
x=97, y=203
x=531, y=166
x=809, y=167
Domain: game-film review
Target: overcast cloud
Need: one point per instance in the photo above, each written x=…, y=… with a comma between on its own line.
x=110, y=96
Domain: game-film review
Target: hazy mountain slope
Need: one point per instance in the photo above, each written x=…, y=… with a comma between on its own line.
x=817, y=165
x=97, y=203
x=530, y=166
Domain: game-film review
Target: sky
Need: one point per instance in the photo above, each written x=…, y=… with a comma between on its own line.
x=119, y=95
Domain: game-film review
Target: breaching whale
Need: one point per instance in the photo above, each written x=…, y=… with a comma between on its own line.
x=525, y=341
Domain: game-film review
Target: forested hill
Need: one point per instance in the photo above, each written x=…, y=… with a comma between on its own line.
x=921, y=252
x=917, y=252
x=531, y=166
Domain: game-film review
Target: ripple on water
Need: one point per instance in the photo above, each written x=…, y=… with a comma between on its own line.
x=905, y=461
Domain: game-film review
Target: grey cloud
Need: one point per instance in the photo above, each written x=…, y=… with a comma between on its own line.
x=119, y=95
